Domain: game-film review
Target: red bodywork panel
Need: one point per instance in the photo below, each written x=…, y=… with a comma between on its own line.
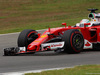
x=92, y=34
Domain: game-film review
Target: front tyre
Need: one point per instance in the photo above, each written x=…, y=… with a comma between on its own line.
x=74, y=41
x=26, y=37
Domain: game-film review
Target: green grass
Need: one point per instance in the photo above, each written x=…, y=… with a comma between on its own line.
x=17, y=15
x=78, y=70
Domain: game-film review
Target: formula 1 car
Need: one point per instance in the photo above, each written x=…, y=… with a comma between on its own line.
x=69, y=39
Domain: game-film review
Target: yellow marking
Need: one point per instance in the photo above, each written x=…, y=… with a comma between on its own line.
x=79, y=29
x=94, y=19
x=43, y=36
x=36, y=41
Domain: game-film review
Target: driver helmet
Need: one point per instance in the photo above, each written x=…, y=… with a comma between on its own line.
x=81, y=24
x=84, y=21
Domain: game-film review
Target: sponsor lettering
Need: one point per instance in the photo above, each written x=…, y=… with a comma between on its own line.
x=57, y=45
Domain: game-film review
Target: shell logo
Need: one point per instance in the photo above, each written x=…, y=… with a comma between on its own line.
x=36, y=41
x=43, y=36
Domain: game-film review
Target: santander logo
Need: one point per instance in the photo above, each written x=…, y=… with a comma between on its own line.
x=56, y=45
x=87, y=44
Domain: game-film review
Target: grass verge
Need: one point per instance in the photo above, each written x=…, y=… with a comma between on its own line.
x=18, y=15
x=78, y=70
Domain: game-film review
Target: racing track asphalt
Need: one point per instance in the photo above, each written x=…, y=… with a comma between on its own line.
x=41, y=60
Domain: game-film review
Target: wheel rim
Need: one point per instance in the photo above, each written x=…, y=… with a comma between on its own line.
x=77, y=41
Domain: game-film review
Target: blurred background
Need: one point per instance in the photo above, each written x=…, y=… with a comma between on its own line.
x=17, y=15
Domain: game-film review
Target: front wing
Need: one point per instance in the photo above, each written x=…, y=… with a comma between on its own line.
x=46, y=46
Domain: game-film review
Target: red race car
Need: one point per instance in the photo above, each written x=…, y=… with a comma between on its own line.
x=69, y=39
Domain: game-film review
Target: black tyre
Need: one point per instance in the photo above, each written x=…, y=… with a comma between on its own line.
x=26, y=37
x=74, y=41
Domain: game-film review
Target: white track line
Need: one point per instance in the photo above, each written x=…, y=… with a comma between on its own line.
x=32, y=71
x=9, y=34
x=19, y=32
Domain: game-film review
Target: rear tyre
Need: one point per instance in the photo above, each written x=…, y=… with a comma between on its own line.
x=74, y=41
x=26, y=37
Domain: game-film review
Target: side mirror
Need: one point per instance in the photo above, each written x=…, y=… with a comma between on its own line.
x=64, y=24
x=86, y=24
